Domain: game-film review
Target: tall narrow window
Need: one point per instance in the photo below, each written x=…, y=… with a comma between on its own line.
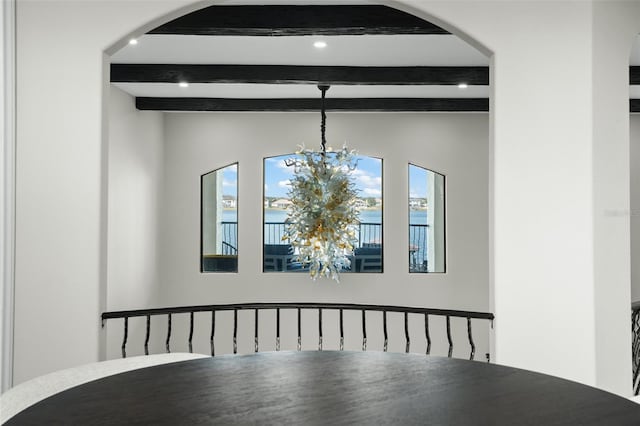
x=219, y=239
x=426, y=220
x=280, y=255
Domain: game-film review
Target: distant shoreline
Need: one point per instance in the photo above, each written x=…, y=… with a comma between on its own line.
x=363, y=208
x=284, y=210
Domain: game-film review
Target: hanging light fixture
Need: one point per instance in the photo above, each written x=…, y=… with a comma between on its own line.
x=323, y=221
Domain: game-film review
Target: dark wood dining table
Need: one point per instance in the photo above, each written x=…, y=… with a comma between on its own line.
x=331, y=387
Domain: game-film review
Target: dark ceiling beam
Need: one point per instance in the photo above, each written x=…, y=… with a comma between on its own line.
x=290, y=20
x=303, y=104
x=297, y=74
x=634, y=75
x=634, y=105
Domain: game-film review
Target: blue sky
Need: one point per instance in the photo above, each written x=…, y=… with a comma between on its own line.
x=417, y=181
x=368, y=177
x=230, y=180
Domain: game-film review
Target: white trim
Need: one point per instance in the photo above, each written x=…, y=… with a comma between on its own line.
x=7, y=189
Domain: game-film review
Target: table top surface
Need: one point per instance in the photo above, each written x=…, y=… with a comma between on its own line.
x=331, y=387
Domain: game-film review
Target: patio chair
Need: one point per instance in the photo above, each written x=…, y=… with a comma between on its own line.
x=367, y=259
x=279, y=257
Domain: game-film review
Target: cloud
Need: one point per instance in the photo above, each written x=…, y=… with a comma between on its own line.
x=369, y=181
x=266, y=187
x=284, y=184
x=226, y=182
x=372, y=192
x=232, y=168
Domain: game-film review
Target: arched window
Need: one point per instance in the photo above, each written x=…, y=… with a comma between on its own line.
x=280, y=256
x=426, y=220
x=219, y=238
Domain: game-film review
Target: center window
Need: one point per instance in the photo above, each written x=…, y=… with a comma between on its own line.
x=279, y=255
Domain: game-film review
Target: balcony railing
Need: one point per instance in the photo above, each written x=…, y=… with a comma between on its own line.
x=635, y=346
x=230, y=238
x=368, y=233
x=364, y=312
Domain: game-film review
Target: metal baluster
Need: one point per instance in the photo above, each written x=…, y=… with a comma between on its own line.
x=473, y=346
x=278, y=329
x=213, y=332
x=235, y=331
x=449, y=336
x=364, y=330
x=146, y=339
x=255, y=337
x=299, y=332
x=341, y=332
x=168, y=333
x=635, y=351
x=191, y=332
x=406, y=331
x=426, y=331
x=320, y=329
x=126, y=334
x=384, y=327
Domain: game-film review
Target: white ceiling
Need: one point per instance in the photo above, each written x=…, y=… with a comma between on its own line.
x=368, y=50
x=255, y=91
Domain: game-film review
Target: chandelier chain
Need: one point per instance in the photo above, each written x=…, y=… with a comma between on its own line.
x=323, y=123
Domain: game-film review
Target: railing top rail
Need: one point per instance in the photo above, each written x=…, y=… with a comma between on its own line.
x=295, y=305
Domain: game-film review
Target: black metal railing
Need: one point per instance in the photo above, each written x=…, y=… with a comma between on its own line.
x=273, y=232
x=228, y=249
x=319, y=307
x=418, y=247
x=368, y=233
x=635, y=346
x=229, y=237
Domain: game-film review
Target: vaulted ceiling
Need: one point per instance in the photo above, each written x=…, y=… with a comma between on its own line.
x=263, y=58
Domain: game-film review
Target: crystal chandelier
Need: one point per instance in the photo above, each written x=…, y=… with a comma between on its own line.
x=323, y=221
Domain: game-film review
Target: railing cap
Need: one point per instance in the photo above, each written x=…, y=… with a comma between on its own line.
x=295, y=305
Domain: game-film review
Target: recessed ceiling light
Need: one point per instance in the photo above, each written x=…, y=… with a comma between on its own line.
x=463, y=86
x=183, y=84
x=320, y=44
x=133, y=41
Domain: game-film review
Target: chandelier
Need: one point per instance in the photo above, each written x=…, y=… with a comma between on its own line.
x=323, y=221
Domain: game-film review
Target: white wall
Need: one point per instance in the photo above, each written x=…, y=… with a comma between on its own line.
x=60, y=178
x=558, y=260
x=135, y=181
x=635, y=206
x=615, y=29
x=453, y=144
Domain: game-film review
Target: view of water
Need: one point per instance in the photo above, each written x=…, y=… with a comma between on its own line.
x=417, y=217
